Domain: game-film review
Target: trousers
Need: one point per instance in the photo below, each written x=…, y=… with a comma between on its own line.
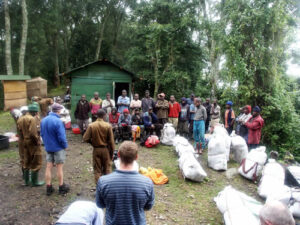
x=101, y=162
x=21, y=151
x=173, y=121
x=199, y=132
x=32, y=156
x=83, y=125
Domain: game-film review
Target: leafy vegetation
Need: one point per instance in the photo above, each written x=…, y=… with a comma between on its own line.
x=229, y=49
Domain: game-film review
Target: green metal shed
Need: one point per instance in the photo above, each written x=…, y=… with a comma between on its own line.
x=102, y=76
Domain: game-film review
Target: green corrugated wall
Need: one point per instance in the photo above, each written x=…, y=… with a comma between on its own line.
x=95, y=77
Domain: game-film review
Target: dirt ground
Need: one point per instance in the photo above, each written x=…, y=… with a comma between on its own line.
x=178, y=202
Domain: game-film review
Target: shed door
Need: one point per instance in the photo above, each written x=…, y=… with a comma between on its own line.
x=119, y=87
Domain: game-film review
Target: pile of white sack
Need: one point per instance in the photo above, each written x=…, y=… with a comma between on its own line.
x=252, y=166
x=188, y=164
x=168, y=134
x=238, y=208
x=219, y=149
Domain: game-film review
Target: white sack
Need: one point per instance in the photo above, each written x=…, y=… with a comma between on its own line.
x=217, y=153
x=191, y=168
x=295, y=171
x=182, y=145
x=252, y=166
x=135, y=165
x=238, y=147
x=238, y=208
x=295, y=202
x=272, y=180
x=168, y=134
x=222, y=132
x=282, y=194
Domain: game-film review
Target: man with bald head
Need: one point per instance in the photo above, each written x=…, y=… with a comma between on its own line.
x=276, y=213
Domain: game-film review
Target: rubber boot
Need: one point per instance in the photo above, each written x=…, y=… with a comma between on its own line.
x=22, y=173
x=35, y=179
x=26, y=177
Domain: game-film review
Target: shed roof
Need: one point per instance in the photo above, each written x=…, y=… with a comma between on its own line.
x=15, y=77
x=36, y=79
x=101, y=61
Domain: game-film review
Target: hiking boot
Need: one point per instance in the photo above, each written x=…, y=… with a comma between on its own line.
x=49, y=190
x=64, y=189
x=35, y=179
x=26, y=177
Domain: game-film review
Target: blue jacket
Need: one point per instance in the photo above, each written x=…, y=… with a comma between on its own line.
x=53, y=133
x=147, y=121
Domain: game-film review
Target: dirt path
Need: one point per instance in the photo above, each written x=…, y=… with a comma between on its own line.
x=178, y=202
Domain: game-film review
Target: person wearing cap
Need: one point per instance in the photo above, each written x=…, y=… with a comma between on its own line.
x=125, y=125
x=184, y=115
x=174, y=110
x=113, y=119
x=100, y=135
x=199, y=126
x=215, y=114
x=151, y=123
x=54, y=137
x=123, y=102
x=254, y=125
x=135, y=104
x=147, y=102
x=207, y=106
x=82, y=114
x=162, y=109
x=229, y=117
x=108, y=103
x=243, y=130
x=27, y=127
x=191, y=99
x=95, y=105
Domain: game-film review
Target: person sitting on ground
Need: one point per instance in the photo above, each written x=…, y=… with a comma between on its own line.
x=54, y=136
x=135, y=104
x=229, y=117
x=113, y=120
x=151, y=123
x=215, y=114
x=125, y=193
x=254, y=125
x=199, y=126
x=82, y=114
x=137, y=124
x=184, y=115
x=108, y=103
x=162, y=109
x=123, y=102
x=95, y=105
x=174, y=110
x=125, y=125
x=275, y=213
x=243, y=131
x=147, y=102
x=83, y=213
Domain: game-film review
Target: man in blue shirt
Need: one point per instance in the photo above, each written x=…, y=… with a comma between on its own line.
x=123, y=102
x=54, y=137
x=125, y=193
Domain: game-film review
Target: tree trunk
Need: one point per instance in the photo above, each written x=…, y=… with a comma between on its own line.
x=99, y=44
x=9, y=69
x=56, y=65
x=24, y=38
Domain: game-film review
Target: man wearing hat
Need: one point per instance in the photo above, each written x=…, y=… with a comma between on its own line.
x=162, y=109
x=174, y=110
x=229, y=117
x=27, y=127
x=184, y=115
x=100, y=135
x=254, y=125
x=54, y=136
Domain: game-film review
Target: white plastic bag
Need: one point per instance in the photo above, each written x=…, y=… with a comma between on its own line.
x=191, y=168
x=295, y=202
x=217, y=156
x=222, y=132
x=238, y=208
x=272, y=180
x=238, y=147
x=168, y=134
x=252, y=166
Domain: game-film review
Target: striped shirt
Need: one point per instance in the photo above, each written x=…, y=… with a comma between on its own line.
x=125, y=195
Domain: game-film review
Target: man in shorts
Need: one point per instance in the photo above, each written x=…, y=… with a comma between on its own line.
x=55, y=141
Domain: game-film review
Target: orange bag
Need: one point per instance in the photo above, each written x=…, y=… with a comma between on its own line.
x=156, y=175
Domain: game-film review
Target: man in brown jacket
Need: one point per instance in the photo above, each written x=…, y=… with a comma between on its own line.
x=162, y=109
x=44, y=105
x=28, y=127
x=100, y=135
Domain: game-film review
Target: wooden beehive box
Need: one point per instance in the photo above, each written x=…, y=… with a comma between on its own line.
x=36, y=87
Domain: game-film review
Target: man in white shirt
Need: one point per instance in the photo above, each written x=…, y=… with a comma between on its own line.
x=82, y=213
x=108, y=103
